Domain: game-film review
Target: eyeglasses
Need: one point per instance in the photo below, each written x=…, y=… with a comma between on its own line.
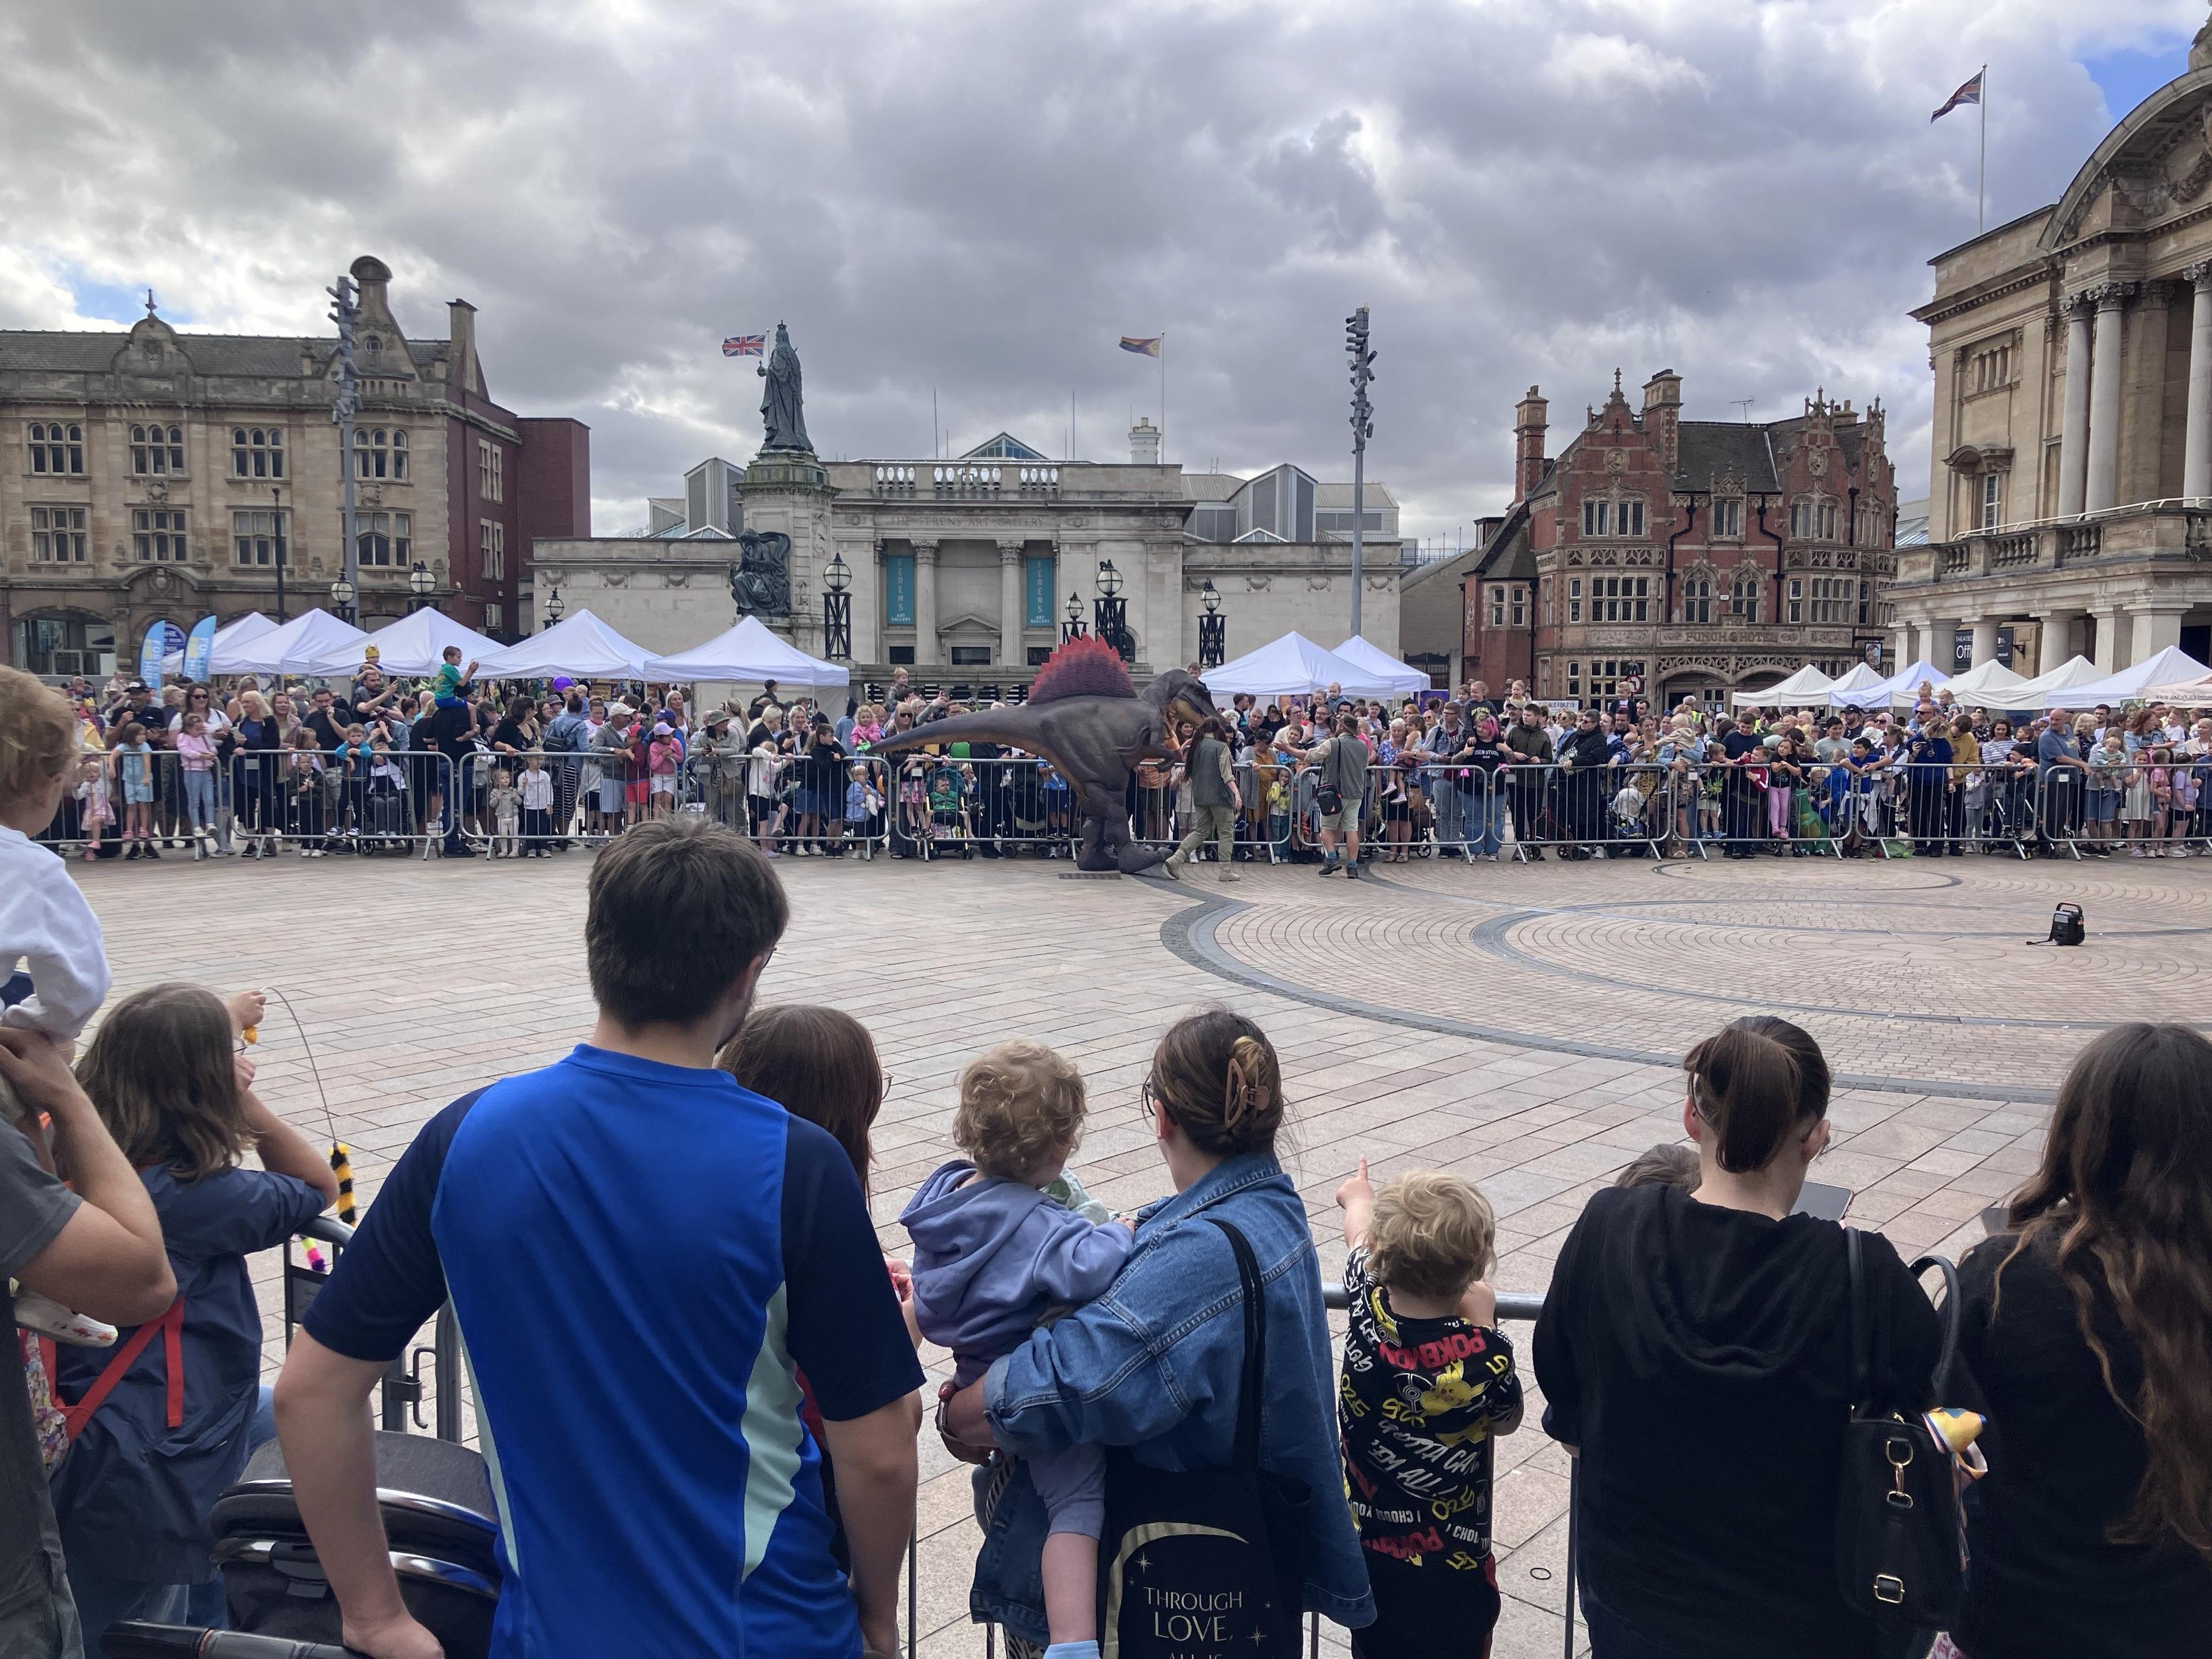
x=1148, y=1099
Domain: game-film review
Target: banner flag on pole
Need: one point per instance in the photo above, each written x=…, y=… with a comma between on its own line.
x=745, y=345
x=198, y=645
x=1969, y=94
x=1143, y=348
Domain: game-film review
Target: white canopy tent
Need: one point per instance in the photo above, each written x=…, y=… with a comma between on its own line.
x=2128, y=685
x=2075, y=670
x=1291, y=666
x=1808, y=685
x=2182, y=693
x=750, y=653
x=412, y=646
x=251, y=626
x=1857, y=689
x=1904, y=686
x=1404, y=681
x=291, y=648
x=1992, y=685
x=579, y=644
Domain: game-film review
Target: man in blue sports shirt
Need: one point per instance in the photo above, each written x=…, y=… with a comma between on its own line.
x=643, y=1256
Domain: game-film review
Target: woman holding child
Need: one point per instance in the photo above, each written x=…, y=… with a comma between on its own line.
x=1152, y=1363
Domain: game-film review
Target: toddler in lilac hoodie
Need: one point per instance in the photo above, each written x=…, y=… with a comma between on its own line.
x=994, y=1257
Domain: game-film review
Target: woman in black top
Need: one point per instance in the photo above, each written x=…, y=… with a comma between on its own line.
x=820, y=791
x=1481, y=812
x=517, y=733
x=2088, y=1330
x=1693, y=1348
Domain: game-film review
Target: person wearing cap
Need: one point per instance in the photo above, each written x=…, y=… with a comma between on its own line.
x=664, y=754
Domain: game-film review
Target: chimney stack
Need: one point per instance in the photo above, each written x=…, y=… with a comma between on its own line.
x=1144, y=444
x=461, y=358
x=1663, y=417
x=1529, y=425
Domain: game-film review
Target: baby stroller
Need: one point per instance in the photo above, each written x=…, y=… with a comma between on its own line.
x=384, y=816
x=950, y=831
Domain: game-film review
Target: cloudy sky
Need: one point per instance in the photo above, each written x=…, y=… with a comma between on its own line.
x=976, y=200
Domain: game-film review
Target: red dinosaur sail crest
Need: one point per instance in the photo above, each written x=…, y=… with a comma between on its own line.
x=1084, y=667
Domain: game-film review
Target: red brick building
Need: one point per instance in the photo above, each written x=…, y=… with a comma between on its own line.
x=1699, y=557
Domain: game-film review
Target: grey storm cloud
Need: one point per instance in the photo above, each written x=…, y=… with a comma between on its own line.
x=979, y=199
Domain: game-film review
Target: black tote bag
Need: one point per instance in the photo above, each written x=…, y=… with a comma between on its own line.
x=1210, y=1562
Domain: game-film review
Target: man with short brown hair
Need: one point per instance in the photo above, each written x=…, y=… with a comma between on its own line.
x=643, y=1256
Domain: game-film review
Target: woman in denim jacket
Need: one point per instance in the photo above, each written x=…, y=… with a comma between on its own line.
x=1153, y=1364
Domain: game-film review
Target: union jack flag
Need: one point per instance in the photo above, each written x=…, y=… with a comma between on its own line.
x=745, y=345
x=1969, y=94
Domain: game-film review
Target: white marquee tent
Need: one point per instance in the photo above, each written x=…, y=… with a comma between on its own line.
x=2182, y=693
x=750, y=654
x=2128, y=685
x=579, y=644
x=2075, y=670
x=1291, y=666
x=412, y=646
x=251, y=626
x=1404, y=680
x=1861, y=686
x=289, y=649
x=1992, y=685
x=1904, y=686
x=1806, y=686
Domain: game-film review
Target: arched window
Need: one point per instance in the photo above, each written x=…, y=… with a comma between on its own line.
x=57, y=448
x=1697, y=599
x=157, y=451
x=399, y=454
x=1743, y=596
x=379, y=452
x=257, y=452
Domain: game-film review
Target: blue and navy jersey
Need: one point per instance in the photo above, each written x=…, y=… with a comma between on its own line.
x=642, y=1258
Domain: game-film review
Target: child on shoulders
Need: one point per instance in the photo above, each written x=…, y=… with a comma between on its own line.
x=1429, y=1381
x=994, y=1257
x=451, y=685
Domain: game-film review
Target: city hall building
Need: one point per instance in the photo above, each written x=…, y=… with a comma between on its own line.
x=156, y=475
x=1691, y=557
x=2072, y=463
x=968, y=571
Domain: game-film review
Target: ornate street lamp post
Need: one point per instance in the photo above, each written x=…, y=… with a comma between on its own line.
x=343, y=594
x=1073, y=629
x=837, y=611
x=1111, y=622
x=553, y=607
x=421, y=585
x=1212, y=629
x=276, y=499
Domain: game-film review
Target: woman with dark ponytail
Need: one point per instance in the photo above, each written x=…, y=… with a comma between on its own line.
x=1153, y=1365
x=1694, y=1352
x=2089, y=1328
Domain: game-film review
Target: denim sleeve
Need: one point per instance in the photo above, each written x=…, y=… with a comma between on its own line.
x=1091, y=1379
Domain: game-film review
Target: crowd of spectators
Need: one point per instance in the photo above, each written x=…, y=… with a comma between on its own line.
x=695, y=1353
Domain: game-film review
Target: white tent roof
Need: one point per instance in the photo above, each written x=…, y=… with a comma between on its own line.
x=1856, y=688
x=2075, y=670
x=1404, y=681
x=289, y=649
x=2182, y=694
x=1904, y=686
x=413, y=645
x=1808, y=685
x=1992, y=685
x=251, y=626
x=2167, y=666
x=751, y=652
x=1293, y=667
x=581, y=644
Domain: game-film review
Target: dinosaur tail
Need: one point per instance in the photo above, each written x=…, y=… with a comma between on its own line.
x=1015, y=727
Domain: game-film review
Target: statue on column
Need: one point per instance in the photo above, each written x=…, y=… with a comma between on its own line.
x=780, y=411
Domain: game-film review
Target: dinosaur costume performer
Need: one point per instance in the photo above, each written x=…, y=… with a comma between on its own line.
x=1086, y=717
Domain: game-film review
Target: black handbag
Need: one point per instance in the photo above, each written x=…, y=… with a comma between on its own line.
x=1901, y=1536
x=1208, y=1561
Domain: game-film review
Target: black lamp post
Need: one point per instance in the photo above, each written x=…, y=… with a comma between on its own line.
x=837, y=611
x=1212, y=629
x=421, y=585
x=277, y=497
x=553, y=606
x=1111, y=621
x=1073, y=629
x=343, y=594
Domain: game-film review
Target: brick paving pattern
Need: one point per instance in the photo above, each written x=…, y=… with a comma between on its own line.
x=1519, y=1026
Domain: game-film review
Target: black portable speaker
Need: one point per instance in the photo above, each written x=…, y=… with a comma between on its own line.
x=2067, y=926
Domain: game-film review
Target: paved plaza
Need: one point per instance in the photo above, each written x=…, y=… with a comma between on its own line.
x=1520, y=1026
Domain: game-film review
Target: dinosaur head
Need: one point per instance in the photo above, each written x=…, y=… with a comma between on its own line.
x=1180, y=695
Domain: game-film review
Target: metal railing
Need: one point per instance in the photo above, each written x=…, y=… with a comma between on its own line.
x=2139, y=808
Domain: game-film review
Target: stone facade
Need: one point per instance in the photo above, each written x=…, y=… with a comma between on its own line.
x=143, y=475
x=962, y=570
x=1695, y=557
x=2072, y=467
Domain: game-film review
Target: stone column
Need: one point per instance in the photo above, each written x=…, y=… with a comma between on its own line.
x=2197, y=445
x=2074, y=436
x=2102, y=487
x=2156, y=626
x=2057, y=636
x=926, y=647
x=1985, y=641
x=2106, y=653
x=1902, y=643
x=1939, y=644
x=1011, y=603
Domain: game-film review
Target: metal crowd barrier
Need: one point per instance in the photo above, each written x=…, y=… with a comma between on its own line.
x=1587, y=811
x=314, y=801
x=2142, y=808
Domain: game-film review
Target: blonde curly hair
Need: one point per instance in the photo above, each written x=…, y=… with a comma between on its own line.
x=1021, y=1110
x=1432, y=1235
x=38, y=734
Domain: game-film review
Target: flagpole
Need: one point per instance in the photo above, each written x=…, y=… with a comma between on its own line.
x=1981, y=183
x=1163, y=397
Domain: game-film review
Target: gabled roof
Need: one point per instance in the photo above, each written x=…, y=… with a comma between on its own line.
x=1707, y=452
x=82, y=351
x=1003, y=447
x=1256, y=534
